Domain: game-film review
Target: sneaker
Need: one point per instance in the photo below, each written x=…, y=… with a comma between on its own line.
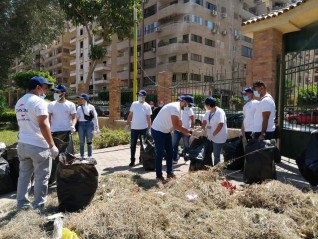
x=171, y=176
x=132, y=164
x=161, y=179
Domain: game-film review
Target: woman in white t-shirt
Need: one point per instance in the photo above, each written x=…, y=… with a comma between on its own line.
x=249, y=110
x=215, y=122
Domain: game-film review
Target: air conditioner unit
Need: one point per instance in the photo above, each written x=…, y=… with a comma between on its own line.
x=214, y=13
x=224, y=32
x=153, y=49
x=237, y=37
x=224, y=14
x=138, y=53
x=214, y=30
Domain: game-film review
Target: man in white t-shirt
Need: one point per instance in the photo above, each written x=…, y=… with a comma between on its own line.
x=62, y=117
x=187, y=119
x=249, y=110
x=214, y=121
x=167, y=120
x=139, y=121
x=36, y=147
x=265, y=114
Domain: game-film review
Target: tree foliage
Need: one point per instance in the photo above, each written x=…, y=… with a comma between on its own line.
x=111, y=17
x=308, y=96
x=23, y=24
x=22, y=78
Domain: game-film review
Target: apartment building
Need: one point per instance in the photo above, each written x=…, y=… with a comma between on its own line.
x=196, y=40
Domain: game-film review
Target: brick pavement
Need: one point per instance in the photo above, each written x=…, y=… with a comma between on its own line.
x=116, y=159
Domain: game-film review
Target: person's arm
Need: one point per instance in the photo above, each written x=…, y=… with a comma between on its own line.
x=204, y=124
x=192, y=121
x=149, y=121
x=50, y=118
x=176, y=125
x=73, y=119
x=45, y=129
x=218, y=129
x=266, y=115
x=129, y=118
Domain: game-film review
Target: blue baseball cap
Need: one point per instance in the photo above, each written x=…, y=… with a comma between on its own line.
x=247, y=90
x=210, y=101
x=142, y=93
x=38, y=80
x=83, y=96
x=61, y=88
x=187, y=98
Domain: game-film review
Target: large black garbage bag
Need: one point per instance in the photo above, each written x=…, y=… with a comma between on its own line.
x=63, y=141
x=197, y=154
x=76, y=184
x=6, y=184
x=308, y=161
x=11, y=155
x=259, y=162
x=233, y=150
x=148, y=153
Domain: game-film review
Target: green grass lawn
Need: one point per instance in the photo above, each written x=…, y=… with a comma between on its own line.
x=8, y=136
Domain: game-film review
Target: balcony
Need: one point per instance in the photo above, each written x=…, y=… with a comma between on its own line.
x=173, y=28
x=123, y=59
x=173, y=48
x=73, y=73
x=102, y=67
x=73, y=62
x=73, y=53
x=174, y=67
x=73, y=40
x=168, y=10
x=123, y=45
x=246, y=14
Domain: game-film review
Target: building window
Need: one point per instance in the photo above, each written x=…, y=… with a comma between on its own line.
x=208, y=79
x=150, y=63
x=81, y=44
x=150, y=80
x=184, y=76
x=174, y=78
x=197, y=19
x=81, y=32
x=82, y=78
x=185, y=1
x=150, y=28
x=246, y=51
x=211, y=6
x=209, y=24
x=209, y=42
x=186, y=18
x=195, y=77
x=81, y=66
x=148, y=46
x=185, y=57
x=236, y=16
x=152, y=10
x=81, y=55
x=185, y=38
x=172, y=59
x=247, y=39
x=223, y=10
x=173, y=40
x=196, y=38
x=209, y=60
x=196, y=57
x=200, y=2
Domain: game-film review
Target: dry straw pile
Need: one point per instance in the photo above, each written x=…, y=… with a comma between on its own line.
x=195, y=206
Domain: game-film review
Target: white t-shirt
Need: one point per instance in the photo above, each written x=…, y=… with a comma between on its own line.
x=265, y=104
x=249, y=110
x=213, y=119
x=140, y=113
x=27, y=109
x=163, y=122
x=61, y=115
x=87, y=108
x=185, y=118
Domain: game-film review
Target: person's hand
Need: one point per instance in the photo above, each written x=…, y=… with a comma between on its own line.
x=126, y=128
x=261, y=137
x=73, y=130
x=241, y=134
x=54, y=152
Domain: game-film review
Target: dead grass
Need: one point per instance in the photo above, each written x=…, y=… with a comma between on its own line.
x=127, y=206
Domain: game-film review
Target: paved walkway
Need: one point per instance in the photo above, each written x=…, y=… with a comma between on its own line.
x=116, y=159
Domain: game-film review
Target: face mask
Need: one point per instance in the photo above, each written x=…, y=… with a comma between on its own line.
x=256, y=93
x=206, y=108
x=245, y=97
x=160, y=105
x=57, y=96
x=139, y=98
x=186, y=108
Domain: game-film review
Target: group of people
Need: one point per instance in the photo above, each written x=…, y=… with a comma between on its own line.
x=178, y=117
x=40, y=123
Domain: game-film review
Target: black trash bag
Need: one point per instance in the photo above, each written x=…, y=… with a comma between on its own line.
x=197, y=154
x=6, y=184
x=62, y=141
x=148, y=153
x=76, y=185
x=11, y=155
x=259, y=162
x=308, y=161
x=233, y=150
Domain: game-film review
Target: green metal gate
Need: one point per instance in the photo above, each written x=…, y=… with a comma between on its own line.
x=299, y=94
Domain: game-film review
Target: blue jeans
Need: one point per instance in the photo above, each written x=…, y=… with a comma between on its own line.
x=37, y=160
x=216, y=148
x=177, y=135
x=163, y=141
x=134, y=135
x=85, y=132
x=268, y=135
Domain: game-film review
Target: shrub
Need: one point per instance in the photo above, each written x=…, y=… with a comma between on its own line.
x=8, y=115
